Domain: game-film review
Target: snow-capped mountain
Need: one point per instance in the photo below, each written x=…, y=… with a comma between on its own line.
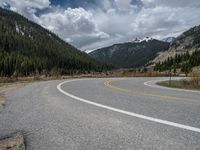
x=147, y=39
x=131, y=54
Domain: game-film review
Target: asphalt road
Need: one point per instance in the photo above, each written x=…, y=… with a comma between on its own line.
x=113, y=113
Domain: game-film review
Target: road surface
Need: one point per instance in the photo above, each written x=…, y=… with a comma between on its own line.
x=113, y=113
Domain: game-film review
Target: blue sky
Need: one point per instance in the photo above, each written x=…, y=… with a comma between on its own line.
x=91, y=24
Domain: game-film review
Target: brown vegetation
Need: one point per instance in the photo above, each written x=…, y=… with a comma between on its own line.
x=105, y=74
x=190, y=83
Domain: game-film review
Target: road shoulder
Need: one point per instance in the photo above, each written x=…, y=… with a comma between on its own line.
x=153, y=84
x=5, y=89
x=15, y=141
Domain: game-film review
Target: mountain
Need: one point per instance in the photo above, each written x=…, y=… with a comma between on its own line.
x=169, y=39
x=189, y=41
x=184, y=52
x=131, y=54
x=137, y=40
x=26, y=48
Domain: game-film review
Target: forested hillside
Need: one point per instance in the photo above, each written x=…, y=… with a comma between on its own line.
x=188, y=41
x=184, y=53
x=185, y=62
x=132, y=54
x=26, y=48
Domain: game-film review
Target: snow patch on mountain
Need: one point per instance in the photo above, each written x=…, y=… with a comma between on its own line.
x=18, y=29
x=146, y=39
x=169, y=39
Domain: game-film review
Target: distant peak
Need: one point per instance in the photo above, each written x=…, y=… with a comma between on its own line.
x=137, y=40
x=147, y=39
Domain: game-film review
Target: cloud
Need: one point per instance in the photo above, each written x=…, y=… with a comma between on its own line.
x=156, y=20
x=170, y=3
x=72, y=21
x=27, y=8
x=22, y=4
x=72, y=24
x=162, y=21
x=91, y=24
x=123, y=5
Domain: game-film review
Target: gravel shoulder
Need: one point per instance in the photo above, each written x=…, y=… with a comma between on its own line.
x=14, y=141
x=5, y=88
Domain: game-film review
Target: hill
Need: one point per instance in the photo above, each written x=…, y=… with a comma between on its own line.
x=26, y=48
x=131, y=54
x=189, y=41
x=184, y=52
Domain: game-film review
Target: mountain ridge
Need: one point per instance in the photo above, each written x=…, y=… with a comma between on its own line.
x=188, y=41
x=183, y=53
x=130, y=54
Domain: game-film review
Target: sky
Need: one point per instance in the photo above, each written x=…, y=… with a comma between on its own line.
x=92, y=24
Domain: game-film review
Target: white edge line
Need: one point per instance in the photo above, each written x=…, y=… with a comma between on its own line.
x=125, y=112
x=148, y=83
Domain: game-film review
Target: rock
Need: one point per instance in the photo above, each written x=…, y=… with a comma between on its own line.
x=15, y=142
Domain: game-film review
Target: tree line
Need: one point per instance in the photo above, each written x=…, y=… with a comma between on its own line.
x=185, y=62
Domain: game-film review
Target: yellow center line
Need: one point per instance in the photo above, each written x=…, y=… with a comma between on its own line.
x=134, y=92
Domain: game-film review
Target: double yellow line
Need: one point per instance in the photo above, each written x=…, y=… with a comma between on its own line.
x=134, y=92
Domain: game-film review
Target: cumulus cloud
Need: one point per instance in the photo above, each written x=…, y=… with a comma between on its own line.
x=73, y=24
x=157, y=20
x=123, y=5
x=27, y=8
x=94, y=23
x=72, y=21
x=166, y=18
x=171, y=3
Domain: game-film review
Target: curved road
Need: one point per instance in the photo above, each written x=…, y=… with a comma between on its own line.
x=113, y=113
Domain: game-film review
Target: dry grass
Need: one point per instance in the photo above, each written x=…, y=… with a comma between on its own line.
x=107, y=74
x=191, y=83
x=126, y=73
x=195, y=79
